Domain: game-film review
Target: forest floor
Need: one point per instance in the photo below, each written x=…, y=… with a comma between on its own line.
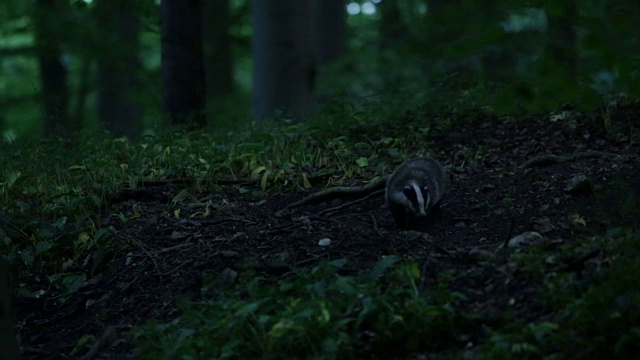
x=464, y=247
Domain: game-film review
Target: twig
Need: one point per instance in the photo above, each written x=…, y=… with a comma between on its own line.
x=151, y=256
x=228, y=219
x=172, y=248
x=103, y=341
x=347, y=204
x=34, y=350
x=375, y=223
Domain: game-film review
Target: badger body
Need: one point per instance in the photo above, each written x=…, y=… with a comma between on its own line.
x=414, y=189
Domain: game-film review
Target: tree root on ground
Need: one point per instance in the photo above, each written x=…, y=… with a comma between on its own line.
x=547, y=160
x=340, y=192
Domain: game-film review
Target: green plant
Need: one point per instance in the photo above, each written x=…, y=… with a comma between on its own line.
x=594, y=317
x=316, y=314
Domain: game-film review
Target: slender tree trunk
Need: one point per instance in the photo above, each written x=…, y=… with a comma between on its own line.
x=49, y=19
x=284, y=68
x=119, y=69
x=331, y=30
x=8, y=345
x=561, y=43
x=217, y=49
x=218, y=62
x=183, y=78
x=83, y=90
x=391, y=26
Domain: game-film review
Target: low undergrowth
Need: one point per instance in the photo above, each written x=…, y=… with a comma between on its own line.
x=318, y=314
x=383, y=313
x=593, y=312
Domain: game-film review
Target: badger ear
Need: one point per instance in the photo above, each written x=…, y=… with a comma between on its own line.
x=408, y=190
x=425, y=188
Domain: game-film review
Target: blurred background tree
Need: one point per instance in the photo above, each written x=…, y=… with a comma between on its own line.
x=119, y=68
x=68, y=65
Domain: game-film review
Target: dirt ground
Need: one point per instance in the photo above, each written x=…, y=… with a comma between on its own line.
x=493, y=199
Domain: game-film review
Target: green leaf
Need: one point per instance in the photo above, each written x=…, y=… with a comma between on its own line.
x=43, y=246
x=26, y=257
x=393, y=152
x=362, y=162
x=179, y=197
x=382, y=266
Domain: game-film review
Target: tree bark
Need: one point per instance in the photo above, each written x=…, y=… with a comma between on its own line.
x=83, y=89
x=331, y=25
x=218, y=62
x=391, y=27
x=183, y=77
x=119, y=69
x=49, y=19
x=561, y=39
x=284, y=68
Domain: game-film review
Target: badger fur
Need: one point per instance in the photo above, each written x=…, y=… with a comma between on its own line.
x=414, y=189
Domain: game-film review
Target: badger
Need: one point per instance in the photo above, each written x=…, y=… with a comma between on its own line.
x=414, y=189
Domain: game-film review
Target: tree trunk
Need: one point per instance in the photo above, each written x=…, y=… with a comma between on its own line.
x=183, y=78
x=331, y=26
x=8, y=344
x=119, y=69
x=392, y=28
x=283, y=61
x=83, y=90
x=49, y=19
x=218, y=62
x=561, y=43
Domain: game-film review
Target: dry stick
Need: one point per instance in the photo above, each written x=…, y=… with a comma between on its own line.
x=187, y=262
x=228, y=219
x=176, y=268
x=375, y=223
x=546, y=160
x=103, y=341
x=347, y=204
x=340, y=191
x=34, y=350
x=187, y=181
x=171, y=248
x=146, y=251
x=438, y=248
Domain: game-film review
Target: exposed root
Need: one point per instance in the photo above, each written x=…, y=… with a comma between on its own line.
x=547, y=160
x=340, y=192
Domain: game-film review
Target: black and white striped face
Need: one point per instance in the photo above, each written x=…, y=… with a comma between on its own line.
x=419, y=199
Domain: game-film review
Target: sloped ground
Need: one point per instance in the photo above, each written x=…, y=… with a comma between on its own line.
x=493, y=199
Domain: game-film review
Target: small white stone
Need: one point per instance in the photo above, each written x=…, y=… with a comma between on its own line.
x=526, y=238
x=324, y=242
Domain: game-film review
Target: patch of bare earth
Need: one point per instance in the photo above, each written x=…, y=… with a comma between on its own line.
x=493, y=199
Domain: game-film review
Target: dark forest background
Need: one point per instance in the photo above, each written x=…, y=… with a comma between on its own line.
x=134, y=66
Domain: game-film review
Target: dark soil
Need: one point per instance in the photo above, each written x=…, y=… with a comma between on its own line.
x=493, y=199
